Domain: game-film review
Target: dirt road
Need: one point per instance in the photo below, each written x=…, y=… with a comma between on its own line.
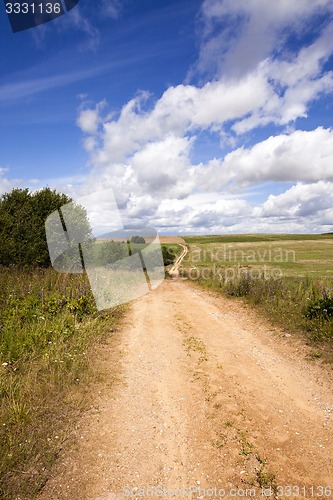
x=174, y=271
x=210, y=395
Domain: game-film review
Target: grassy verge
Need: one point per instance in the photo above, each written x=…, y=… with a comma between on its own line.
x=48, y=327
x=295, y=293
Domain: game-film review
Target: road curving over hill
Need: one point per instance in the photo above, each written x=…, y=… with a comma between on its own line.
x=174, y=271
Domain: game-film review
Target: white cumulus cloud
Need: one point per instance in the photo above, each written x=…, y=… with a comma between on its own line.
x=301, y=156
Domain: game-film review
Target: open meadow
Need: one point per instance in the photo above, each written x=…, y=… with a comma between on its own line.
x=289, y=277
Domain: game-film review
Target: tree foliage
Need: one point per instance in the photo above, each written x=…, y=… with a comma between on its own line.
x=138, y=240
x=168, y=255
x=22, y=225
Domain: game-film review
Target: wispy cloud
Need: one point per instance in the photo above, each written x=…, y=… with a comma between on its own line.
x=28, y=87
x=78, y=21
x=110, y=8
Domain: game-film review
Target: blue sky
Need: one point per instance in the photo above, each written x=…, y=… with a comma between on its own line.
x=202, y=116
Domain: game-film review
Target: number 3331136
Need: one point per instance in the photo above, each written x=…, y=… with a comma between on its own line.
x=33, y=8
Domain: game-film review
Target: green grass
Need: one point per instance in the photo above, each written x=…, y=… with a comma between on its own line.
x=48, y=327
x=289, y=279
x=287, y=257
x=245, y=238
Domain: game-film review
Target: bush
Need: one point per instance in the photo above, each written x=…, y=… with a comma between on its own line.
x=22, y=225
x=322, y=308
x=138, y=239
x=168, y=255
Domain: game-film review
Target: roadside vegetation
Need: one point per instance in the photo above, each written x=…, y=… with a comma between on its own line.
x=48, y=329
x=170, y=253
x=287, y=277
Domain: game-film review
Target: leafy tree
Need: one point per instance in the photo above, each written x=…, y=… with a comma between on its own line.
x=22, y=225
x=168, y=255
x=138, y=240
x=109, y=252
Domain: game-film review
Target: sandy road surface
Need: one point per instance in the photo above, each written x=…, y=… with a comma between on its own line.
x=209, y=395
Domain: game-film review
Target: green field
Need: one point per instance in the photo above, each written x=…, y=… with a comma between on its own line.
x=289, y=278
x=288, y=255
x=245, y=238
